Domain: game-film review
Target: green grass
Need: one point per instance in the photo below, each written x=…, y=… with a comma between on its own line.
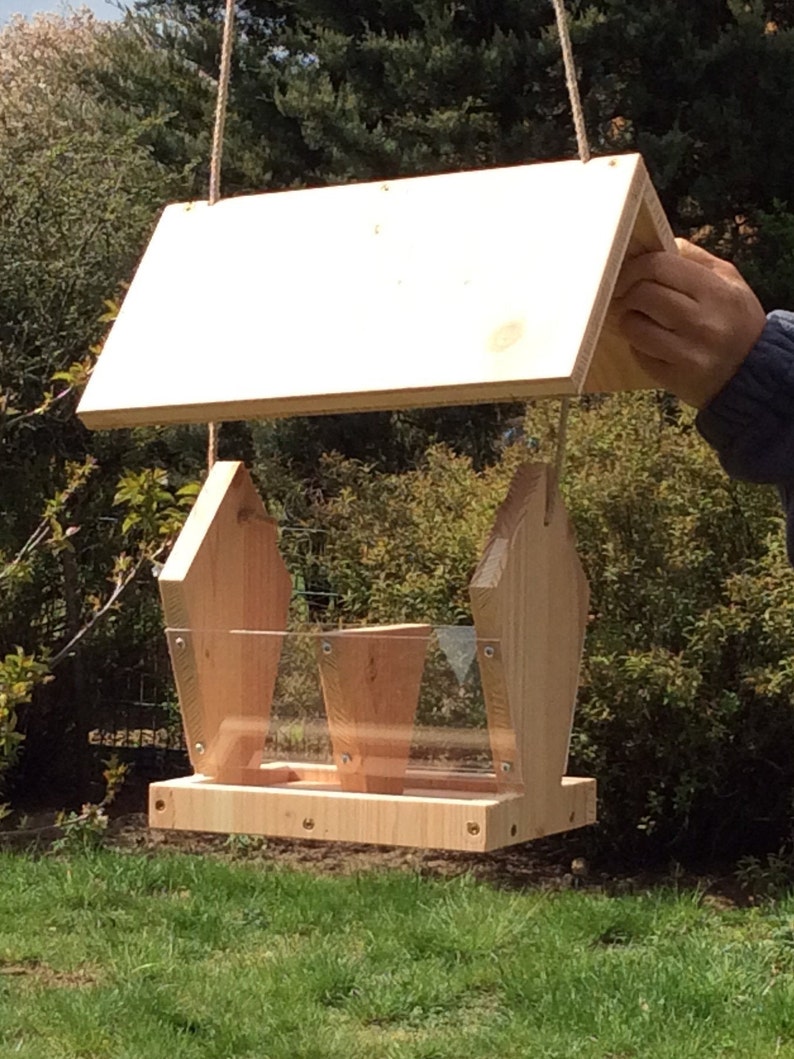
x=134, y=957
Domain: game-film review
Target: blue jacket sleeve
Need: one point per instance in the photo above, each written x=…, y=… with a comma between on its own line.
x=751, y=421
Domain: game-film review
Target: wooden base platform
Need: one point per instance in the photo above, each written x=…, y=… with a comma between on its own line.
x=311, y=805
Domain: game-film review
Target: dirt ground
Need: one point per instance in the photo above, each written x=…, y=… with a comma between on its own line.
x=512, y=867
x=550, y=864
x=546, y=865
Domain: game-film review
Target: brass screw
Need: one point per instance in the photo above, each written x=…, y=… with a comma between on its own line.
x=308, y=824
x=473, y=828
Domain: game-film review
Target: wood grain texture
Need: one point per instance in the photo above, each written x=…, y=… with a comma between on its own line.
x=418, y=780
x=529, y=599
x=432, y=822
x=480, y=286
x=425, y=821
x=614, y=367
x=225, y=573
x=517, y=820
x=370, y=679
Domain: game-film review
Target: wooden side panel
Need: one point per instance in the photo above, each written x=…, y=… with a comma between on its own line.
x=480, y=286
x=529, y=597
x=225, y=573
x=435, y=822
x=427, y=821
x=371, y=679
x=573, y=806
x=614, y=367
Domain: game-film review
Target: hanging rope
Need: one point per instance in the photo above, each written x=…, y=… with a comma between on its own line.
x=221, y=103
x=571, y=80
x=577, y=114
x=221, y=106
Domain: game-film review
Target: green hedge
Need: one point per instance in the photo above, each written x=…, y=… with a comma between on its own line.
x=685, y=712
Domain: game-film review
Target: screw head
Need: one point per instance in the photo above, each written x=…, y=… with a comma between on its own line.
x=308, y=824
x=326, y=647
x=473, y=827
x=507, y=766
x=180, y=643
x=199, y=748
x=489, y=651
x=346, y=759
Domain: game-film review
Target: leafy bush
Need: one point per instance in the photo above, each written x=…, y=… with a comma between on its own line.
x=19, y=675
x=401, y=547
x=684, y=712
x=82, y=514
x=685, y=707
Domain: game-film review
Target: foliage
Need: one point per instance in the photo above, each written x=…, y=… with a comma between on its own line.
x=152, y=509
x=86, y=831
x=81, y=832
x=323, y=93
x=685, y=704
x=391, y=89
x=684, y=713
x=684, y=707
x=79, y=188
x=768, y=877
x=765, y=253
x=19, y=675
x=400, y=547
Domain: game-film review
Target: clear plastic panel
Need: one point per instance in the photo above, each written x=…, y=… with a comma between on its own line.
x=375, y=709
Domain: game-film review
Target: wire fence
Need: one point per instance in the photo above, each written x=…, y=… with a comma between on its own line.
x=136, y=713
x=135, y=709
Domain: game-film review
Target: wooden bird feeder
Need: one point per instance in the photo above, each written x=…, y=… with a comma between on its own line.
x=482, y=286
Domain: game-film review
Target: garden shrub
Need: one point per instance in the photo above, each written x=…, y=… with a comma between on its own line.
x=685, y=712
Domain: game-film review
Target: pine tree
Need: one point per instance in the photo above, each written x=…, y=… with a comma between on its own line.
x=337, y=91
x=328, y=91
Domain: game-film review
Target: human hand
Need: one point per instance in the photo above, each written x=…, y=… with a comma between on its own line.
x=690, y=318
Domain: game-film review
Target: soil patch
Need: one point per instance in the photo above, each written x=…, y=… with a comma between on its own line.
x=43, y=974
x=549, y=864
x=546, y=865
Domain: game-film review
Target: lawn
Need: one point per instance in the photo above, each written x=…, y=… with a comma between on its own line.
x=130, y=956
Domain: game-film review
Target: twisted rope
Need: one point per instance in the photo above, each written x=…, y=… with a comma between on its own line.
x=583, y=145
x=221, y=106
x=571, y=80
x=221, y=103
